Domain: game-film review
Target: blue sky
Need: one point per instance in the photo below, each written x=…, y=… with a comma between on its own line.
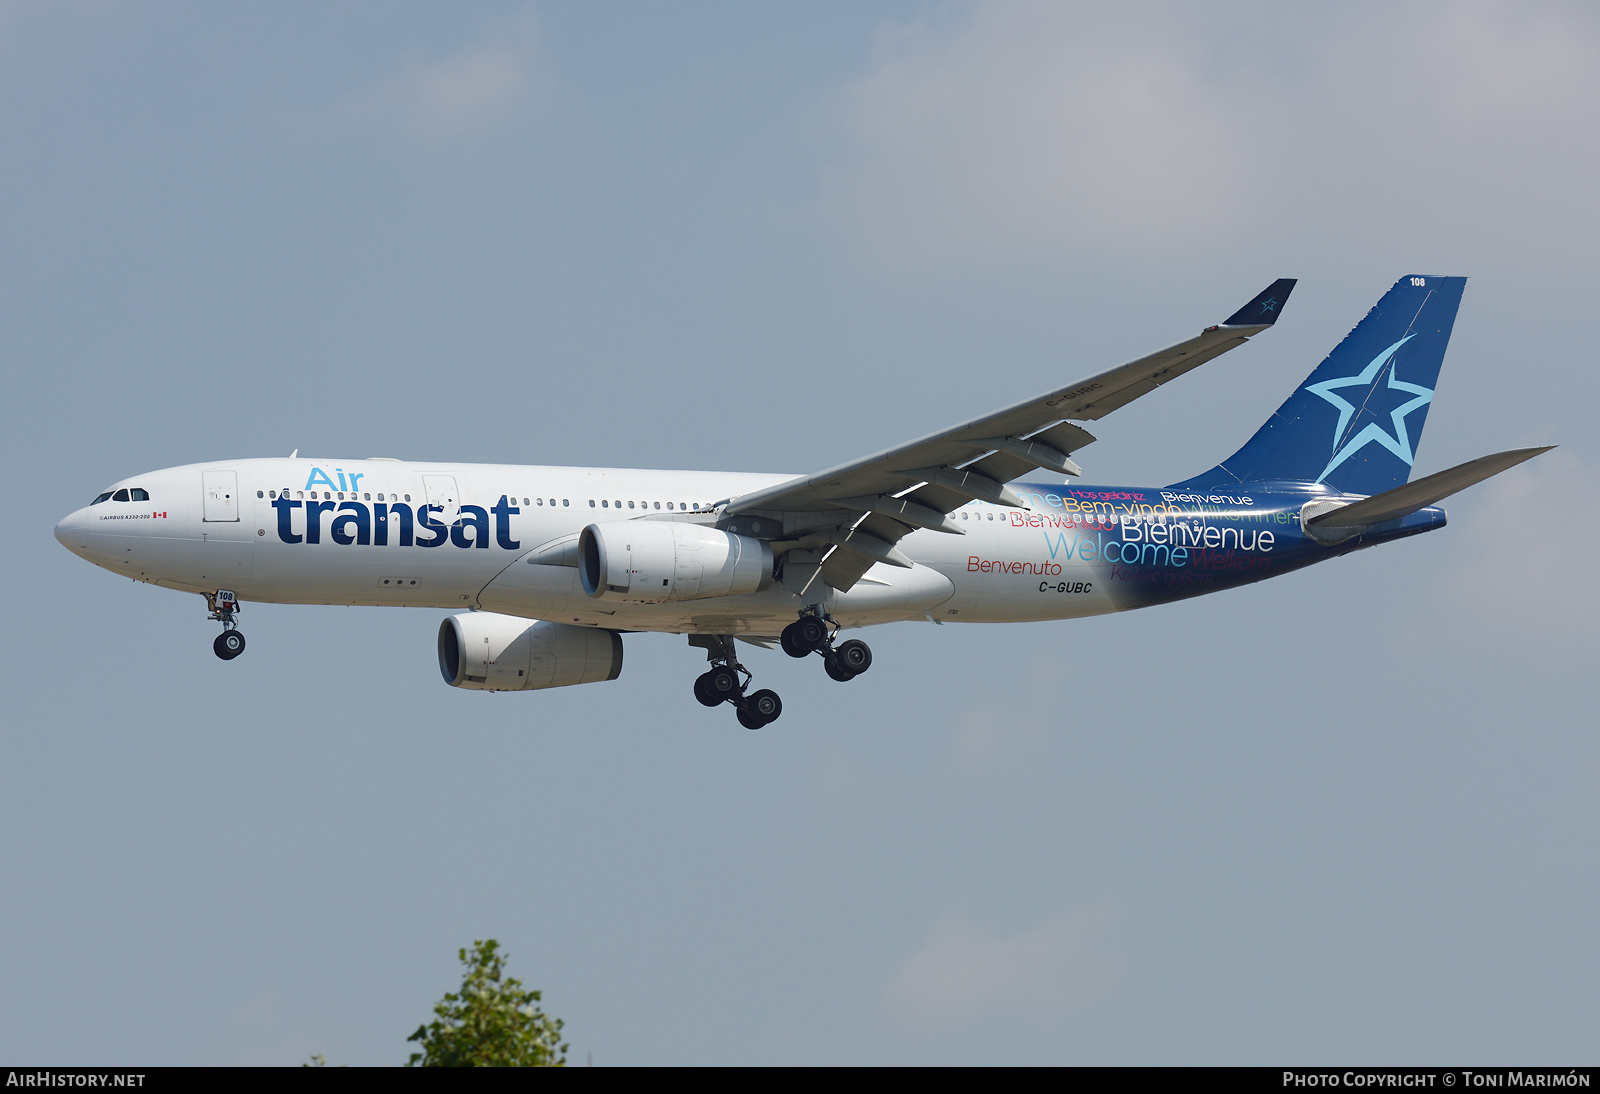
x=1349, y=814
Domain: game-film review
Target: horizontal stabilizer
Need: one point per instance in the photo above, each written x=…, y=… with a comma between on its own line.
x=1407, y=499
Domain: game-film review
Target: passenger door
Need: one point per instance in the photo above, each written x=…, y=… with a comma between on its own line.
x=220, y=496
x=441, y=491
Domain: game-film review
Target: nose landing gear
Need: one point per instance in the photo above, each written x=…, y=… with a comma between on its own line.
x=224, y=606
x=726, y=680
x=811, y=634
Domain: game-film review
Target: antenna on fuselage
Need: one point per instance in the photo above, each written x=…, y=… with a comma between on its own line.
x=295, y=453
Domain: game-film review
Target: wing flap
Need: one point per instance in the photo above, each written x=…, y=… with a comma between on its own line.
x=842, y=569
x=1064, y=436
x=1002, y=466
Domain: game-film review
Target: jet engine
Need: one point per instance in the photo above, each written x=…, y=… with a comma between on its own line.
x=658, y=562
x=490, y=652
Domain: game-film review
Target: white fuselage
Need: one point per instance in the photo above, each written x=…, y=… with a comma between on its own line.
x=206, y=527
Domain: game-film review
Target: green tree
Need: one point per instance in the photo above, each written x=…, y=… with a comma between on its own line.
x=491, y=1022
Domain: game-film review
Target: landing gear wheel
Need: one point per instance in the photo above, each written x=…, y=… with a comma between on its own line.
x=810, y=633
x=229, y=644
x=722, y=683
x=790, y=641
x=837, y=668
x=749, y=718
x=702, y=690
x=764, y=704
x=854, y=655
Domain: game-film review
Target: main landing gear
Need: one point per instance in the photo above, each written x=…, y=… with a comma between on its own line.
x=727, y=680
x=224, y=606
x=814, y=633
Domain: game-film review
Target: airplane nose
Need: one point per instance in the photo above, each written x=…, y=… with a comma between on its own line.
x=69, y=531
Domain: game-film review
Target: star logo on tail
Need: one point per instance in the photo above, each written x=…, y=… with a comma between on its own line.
x=1399, y=441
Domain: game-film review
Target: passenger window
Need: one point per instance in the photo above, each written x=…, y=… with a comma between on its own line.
x=299, y=493
x=524, y=501
x=658, y=505
x=408, y=497
x=991, y=516
x=259, y=494
x=140, y=495
x=120, y=495
x=270, y=494
x=366, y=497
x=564, y=502
x=603, y=504
x=963, y=515
x=541, y=501
x=103, y=497
x=669, y=505
x=630, y=505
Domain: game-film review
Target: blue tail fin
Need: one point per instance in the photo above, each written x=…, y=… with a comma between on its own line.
x=1355, y=422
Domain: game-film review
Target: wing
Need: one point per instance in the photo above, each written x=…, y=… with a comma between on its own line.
x=857, y=511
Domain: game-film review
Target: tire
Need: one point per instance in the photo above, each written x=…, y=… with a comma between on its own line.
x=749, y=718
x=836, y=668
x=766, y=705
x=702, y=690
x=790, y=641
x=722, y=683
x=228, y=645
x=810, y=632
x=854, y=655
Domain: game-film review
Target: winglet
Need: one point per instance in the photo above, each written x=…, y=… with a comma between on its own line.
x=1264, y=310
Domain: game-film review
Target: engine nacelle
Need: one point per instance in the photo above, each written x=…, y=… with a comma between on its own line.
x=657, y=562
x=491, y=652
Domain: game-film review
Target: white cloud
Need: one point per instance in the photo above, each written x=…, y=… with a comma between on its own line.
x=463, y=93
x=1047, y=129
x=1019, y=133
x=963, y=970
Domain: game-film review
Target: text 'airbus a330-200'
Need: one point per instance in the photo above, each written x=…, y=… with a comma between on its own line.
x=556, y=563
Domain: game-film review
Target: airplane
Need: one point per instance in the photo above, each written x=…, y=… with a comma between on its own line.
x=552, y=565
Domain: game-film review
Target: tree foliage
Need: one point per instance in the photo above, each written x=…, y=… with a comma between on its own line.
x=491, y=1022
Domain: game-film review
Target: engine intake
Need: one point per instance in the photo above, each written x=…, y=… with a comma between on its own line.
x=658, y=562
x=486, y=651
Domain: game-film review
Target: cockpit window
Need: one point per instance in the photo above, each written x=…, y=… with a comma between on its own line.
x=103, y=497
x=120, y=495
x=139, y=495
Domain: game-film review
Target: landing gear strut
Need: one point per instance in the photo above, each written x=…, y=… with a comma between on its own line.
x=224, y=606
x=814, y=632
x=726, y=681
